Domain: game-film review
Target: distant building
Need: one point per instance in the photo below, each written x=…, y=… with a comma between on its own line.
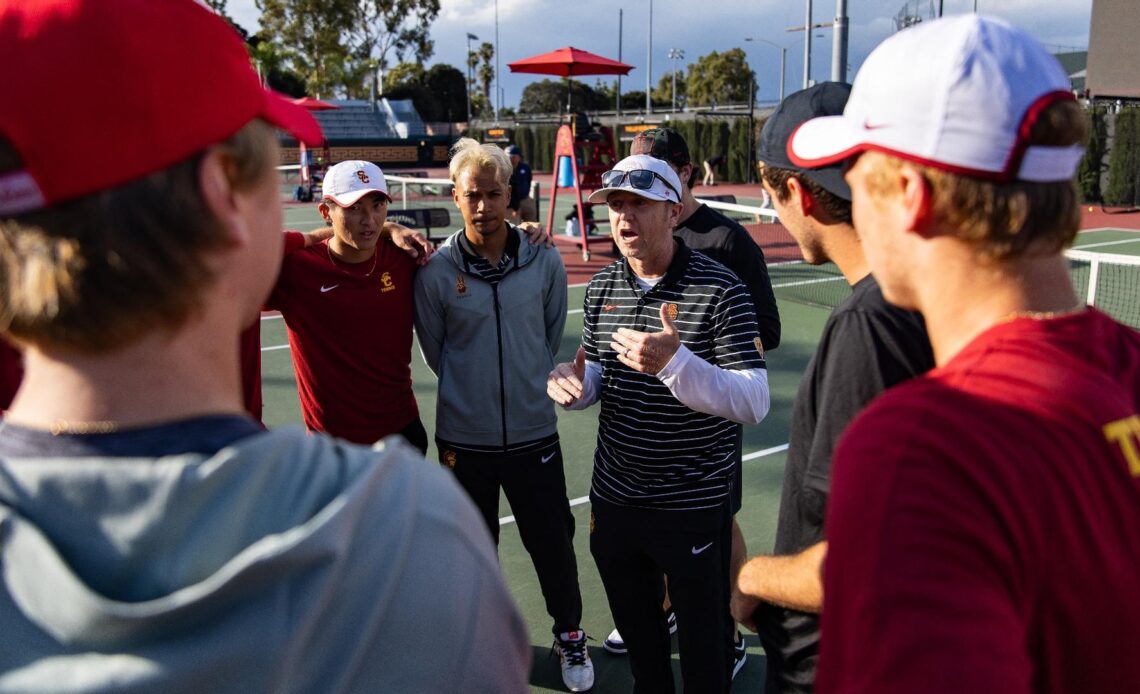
x=1075, y=64
x=1114, y=51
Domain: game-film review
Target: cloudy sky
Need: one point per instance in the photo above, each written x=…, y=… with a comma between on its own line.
x=529, y=27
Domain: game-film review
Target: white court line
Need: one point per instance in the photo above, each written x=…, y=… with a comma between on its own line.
x=506, y=520
x=1105, y=243
x=800, y=283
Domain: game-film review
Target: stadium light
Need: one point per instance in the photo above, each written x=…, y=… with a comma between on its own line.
x=675, y=54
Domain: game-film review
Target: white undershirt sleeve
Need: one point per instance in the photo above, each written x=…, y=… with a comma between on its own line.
x=739, y=395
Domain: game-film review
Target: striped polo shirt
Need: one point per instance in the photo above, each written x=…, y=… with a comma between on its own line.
x=654, y=452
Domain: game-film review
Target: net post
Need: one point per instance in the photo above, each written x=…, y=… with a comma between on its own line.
x=1094, y=273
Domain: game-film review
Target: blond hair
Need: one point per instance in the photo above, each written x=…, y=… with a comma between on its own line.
x=97, y=272
x=1003, y=220
x=469, y=154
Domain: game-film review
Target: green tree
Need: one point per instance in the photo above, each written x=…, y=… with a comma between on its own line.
x=399, y=27
x=1124, y=161
x=663, y=92
x=405, y=74
x=1092, y=164
x=482, y=64
x=336, y=45
x=308, y=37
x=219, y=8
x=720, y=78
x=437, y=93
x=447, y=85
x=271, y=65
x=549, y=96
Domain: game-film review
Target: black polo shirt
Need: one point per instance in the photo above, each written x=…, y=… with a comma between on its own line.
x=727, y=242
x=654, y=452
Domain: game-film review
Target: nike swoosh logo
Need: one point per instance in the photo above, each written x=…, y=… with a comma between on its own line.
x=868, y=125
x=328, y=289
x=698, y=551
x=546, y=458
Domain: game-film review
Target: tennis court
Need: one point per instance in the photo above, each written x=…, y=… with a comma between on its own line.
x=805, y=295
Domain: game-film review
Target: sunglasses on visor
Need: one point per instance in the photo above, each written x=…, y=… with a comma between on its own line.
x=641, y=179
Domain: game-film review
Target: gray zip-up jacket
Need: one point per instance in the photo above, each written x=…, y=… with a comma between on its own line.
x=492, y=347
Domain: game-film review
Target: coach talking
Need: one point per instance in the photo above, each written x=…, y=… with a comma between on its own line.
x=670, y=348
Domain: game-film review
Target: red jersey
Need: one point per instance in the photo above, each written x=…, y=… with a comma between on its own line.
x=249, y=346
x=350, y=332
x=984, y=521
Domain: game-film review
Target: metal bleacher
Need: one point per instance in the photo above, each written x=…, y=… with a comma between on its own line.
x=355, y=120
x=403, y=113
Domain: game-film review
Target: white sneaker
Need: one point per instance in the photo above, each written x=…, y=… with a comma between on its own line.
x=616, y=645
x=577, y=670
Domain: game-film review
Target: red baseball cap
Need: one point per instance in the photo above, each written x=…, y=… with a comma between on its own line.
x=102, y=92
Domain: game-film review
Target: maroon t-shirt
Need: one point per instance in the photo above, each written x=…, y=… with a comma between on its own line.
x=250, y=346
x=350, y=332
x=984, y=521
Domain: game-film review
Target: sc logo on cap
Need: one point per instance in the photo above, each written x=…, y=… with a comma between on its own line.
x=362, y=176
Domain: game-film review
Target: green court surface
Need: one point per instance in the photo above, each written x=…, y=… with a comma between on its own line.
x=763, y=470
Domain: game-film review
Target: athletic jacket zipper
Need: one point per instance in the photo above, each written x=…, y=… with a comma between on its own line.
x=502, y=377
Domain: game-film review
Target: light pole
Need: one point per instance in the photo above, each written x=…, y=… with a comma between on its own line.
x=839, y=43
x=783, y=59
x=807, y=45
x=498, y=102
x=649, y=62
x=470, y=38
x=675, y=54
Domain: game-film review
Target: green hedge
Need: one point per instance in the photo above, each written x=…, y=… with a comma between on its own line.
x=706, y=138
x=1092, y=165
x=1124, y=160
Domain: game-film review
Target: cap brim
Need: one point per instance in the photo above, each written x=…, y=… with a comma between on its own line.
x=825, y=140
x=293, y=119
x=603, y=194
x=350, y=199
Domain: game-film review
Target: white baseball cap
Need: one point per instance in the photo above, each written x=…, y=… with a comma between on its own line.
x=660, y=183
x=348, y=181
x=958, y=94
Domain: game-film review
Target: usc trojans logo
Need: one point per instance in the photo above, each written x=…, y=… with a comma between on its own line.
x=671, y=311
x=386, y=283
x=460, y=285
x=362, y=176
x=449, y=459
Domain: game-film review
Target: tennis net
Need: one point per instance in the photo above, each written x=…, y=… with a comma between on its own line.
x=1109, y=281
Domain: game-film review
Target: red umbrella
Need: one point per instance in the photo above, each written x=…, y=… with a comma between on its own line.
x=569, y=61
x=308, y=102
x=312, y=104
